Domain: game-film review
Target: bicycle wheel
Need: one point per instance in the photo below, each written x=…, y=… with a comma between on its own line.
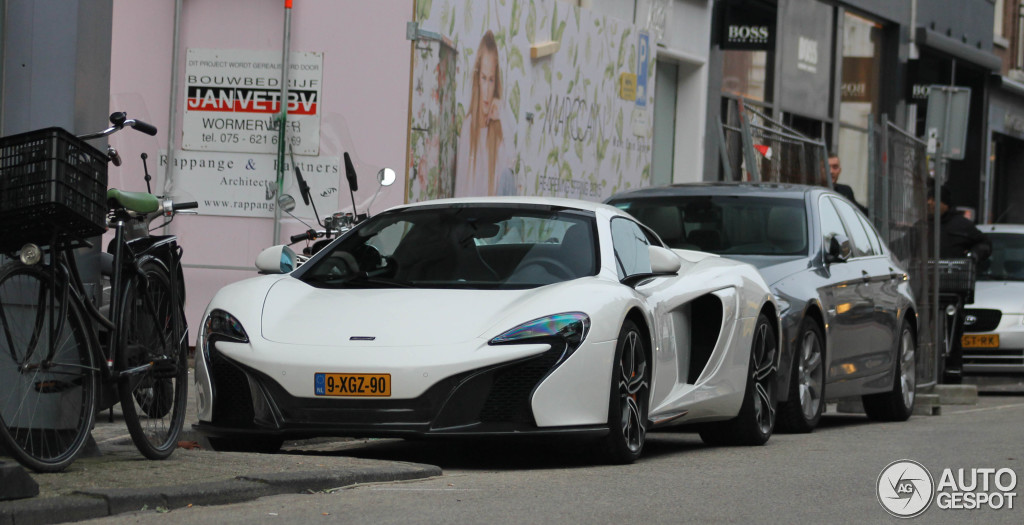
x=153, y=360
x=48, y=397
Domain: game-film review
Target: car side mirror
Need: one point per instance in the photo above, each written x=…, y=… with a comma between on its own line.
x=276, y=259
x=663, y=260
x=838, y=249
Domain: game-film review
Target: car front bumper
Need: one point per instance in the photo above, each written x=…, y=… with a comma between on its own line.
x=1007, y=358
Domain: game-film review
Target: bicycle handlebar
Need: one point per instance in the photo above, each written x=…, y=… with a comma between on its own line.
x=118, y=121
x=144, y=127
x=184, y=205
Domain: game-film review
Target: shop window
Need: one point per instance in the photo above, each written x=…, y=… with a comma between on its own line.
x=859, y=97
x=745, y=73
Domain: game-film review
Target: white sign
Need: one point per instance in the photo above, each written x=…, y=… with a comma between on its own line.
x=236, y=184
x=232, y=101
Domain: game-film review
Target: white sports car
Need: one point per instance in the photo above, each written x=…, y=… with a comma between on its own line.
x=496, y=316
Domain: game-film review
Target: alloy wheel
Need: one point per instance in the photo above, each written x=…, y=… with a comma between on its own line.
x=763, y=360
x=809, y=368
x=633, y=387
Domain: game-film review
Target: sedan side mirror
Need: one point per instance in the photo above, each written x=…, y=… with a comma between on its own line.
x=276, y=259
x=838, y=249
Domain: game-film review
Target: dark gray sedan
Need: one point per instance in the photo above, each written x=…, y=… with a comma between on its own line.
x=848, y=315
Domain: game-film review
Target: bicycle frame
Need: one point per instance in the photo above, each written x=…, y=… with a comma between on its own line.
x=127, y=254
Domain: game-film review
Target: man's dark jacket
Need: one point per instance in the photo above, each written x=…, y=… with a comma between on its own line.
x=958, y=236
x=847, y=192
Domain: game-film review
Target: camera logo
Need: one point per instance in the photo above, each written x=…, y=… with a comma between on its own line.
x=905, y=488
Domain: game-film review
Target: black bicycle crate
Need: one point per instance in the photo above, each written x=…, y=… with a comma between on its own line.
x=955, y=276
x=50, y=181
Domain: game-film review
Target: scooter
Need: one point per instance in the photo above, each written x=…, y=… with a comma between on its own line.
x=282, y=258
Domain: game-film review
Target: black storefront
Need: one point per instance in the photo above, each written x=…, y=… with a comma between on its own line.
x=954, y=42
x=1004, y=184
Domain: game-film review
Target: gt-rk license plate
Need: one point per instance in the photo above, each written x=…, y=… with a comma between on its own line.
x=979, y=341
x=366, y=385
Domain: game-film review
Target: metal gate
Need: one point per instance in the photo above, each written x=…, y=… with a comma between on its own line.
x=897, y=199
x=760, y=149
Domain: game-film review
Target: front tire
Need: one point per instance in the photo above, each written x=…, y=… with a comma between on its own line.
x=48, y=374
x=630, y=392
x=802, y=411
x=756, y=420
x=898, y=404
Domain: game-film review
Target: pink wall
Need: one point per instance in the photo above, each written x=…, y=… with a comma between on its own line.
x=366, y=89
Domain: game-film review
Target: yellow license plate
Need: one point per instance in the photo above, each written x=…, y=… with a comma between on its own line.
x=344, y=385
x=979, y=341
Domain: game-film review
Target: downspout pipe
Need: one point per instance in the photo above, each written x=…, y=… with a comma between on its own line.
x=172, y=116
x=282, y=119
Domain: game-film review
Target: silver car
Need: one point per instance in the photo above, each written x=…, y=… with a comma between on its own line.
x=993, y=339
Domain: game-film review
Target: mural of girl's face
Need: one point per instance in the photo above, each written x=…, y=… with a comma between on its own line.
x=488, y=72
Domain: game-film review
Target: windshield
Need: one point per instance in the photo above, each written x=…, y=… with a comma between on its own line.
x=461, y=246
x=1007, y=260
x=725, y=224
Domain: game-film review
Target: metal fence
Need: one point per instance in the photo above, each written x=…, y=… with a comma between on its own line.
x=758, y=148
x=897, y=200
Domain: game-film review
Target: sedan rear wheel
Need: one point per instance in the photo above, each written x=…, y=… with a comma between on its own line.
x=802, y=411
x=756, y=420
x=628, y=404
x=898, y=404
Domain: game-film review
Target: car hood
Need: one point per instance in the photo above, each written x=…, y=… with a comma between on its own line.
x=297, y=313
x=1006, y=296
x=774, y=268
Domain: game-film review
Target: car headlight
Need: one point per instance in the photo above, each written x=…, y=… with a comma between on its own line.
x=572, y=327
x=220, y=326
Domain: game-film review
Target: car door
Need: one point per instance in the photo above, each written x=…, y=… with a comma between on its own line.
x=887, y=297
x=872, y=354
x=846, y=299
x=669, y=323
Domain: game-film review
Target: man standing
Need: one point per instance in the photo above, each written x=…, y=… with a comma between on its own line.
x=835, y=169
x=958, y=238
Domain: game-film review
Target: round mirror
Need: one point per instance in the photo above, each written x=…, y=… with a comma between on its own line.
x=286, y=202
x=386, y=176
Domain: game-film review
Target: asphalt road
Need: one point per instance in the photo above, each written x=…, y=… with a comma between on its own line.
x=829, y=476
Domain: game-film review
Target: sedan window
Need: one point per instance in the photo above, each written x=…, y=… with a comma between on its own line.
x=831, y=224
x=1007, y=260
x=858, y=235
x=726, y=224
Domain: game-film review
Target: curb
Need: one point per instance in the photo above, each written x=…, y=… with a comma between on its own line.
x=99, y=503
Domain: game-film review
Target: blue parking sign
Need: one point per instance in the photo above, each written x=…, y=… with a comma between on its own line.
x=643, y=57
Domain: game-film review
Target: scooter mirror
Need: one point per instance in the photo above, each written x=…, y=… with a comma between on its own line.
x=386, y=176
x=286, y=202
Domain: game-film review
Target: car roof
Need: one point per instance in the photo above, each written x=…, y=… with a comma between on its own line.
x=542, y=201
x=1001, y=228
x=753, y=189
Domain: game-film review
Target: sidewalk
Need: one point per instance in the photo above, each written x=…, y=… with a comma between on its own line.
x=119, y=479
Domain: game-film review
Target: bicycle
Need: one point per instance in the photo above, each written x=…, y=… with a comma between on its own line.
x=58, y=368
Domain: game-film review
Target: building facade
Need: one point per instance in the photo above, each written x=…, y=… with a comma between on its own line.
x=822, y=68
